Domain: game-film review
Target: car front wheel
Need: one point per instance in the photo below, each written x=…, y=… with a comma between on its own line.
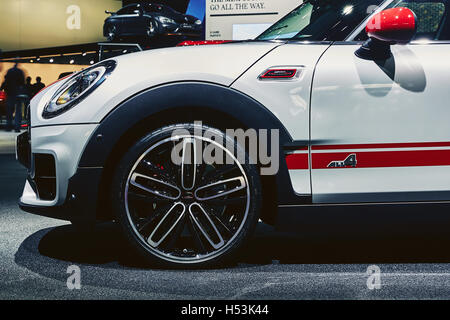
x=152, y=29
x=112, y=33
x=186, y=212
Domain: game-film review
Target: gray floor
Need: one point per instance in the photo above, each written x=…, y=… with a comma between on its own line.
x=36, y=251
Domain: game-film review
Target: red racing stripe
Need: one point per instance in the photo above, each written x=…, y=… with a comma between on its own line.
x=386, y=158
x=297, y=161
x=383, y=145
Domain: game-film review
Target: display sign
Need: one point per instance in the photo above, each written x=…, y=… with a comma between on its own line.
x=30, y=24
x=243, y=19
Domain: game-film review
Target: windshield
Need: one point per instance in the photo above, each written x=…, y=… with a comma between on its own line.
x=321, y=20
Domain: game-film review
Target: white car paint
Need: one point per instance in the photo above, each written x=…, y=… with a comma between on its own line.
x=287, y=100
x=356, y=102
x=65, y=136
x=338, y=98
x=220, y=64
x=66, y=144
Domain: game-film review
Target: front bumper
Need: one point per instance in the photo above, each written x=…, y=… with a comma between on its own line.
x=55, y=185
x=182, y=28
x=81, y=200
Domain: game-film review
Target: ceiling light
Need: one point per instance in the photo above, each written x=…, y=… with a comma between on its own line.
x=347, y=10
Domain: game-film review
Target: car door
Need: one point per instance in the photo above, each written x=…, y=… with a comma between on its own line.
x=380, y=129
x=133, y=20
x=121, y=16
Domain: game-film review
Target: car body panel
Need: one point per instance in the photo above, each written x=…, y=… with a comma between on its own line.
x=379, y=109
x=394, y=117
x=134, y=24
x=357, y=131
x=289, y=100
x=58, y=141
x=156, y=68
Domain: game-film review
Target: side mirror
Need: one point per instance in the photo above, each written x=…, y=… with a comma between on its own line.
x=108, y=12
x=391, y=26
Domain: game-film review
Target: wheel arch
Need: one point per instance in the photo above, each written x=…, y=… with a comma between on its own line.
x=214, y=105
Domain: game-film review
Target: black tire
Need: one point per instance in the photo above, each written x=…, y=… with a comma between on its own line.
x=82, y=226
x=198, y=210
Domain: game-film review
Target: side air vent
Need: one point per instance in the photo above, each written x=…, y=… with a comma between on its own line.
x=45, y=176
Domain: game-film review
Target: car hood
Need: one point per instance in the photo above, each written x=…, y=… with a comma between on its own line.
x=221, y=64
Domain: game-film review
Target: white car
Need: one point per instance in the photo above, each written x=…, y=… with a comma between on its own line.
x=358, y=93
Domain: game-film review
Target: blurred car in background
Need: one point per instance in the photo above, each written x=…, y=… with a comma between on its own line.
x=148, y=20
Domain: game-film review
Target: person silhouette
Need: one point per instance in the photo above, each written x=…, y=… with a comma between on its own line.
x=28, y=90
x=14, y=86
x=38, y=86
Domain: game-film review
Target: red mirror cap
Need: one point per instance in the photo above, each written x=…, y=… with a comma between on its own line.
x=396, y=25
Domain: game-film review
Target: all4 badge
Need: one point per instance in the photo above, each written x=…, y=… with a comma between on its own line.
x=349, y=162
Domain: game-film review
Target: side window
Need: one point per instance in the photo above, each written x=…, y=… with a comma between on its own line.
x=127, y=10
x=153, y=8
x=432, y=21
x=429, y=17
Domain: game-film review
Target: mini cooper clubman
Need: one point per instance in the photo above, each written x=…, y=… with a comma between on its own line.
x=356, y=93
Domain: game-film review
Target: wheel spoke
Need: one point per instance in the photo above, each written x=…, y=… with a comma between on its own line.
x=171, y=192
x=206, y=226
x=167, y=224
x=189, y=163
x=152, y=218
x=196, y=235
x=219, y=220
x=175, y=235
x=220, y=188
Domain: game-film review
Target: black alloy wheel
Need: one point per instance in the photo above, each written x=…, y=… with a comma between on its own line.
x=190, y=213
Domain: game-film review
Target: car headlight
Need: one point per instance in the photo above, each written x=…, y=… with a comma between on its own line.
x=166, y=20
x=198, y=22
x=77, y=87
